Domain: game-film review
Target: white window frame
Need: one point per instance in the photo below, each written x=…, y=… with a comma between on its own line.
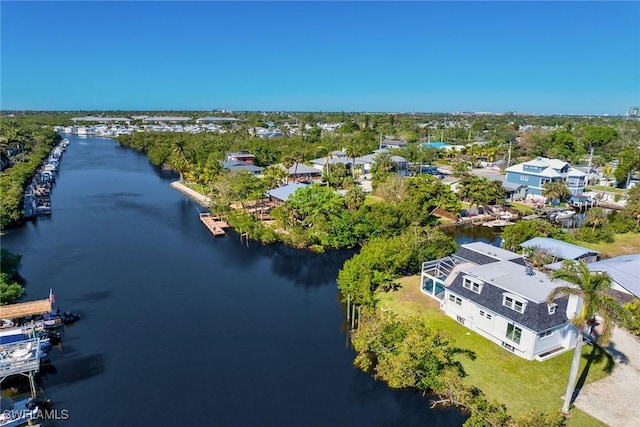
x=514, y=303
x=552, y=308
x=516, y=333
x=471, y=284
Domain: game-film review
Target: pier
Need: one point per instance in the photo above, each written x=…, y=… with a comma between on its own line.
x=215, y=225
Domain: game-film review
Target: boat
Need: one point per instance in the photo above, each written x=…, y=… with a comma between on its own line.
x=18, y=413
x=508, y=216
x=564, y=215
x=497, y=223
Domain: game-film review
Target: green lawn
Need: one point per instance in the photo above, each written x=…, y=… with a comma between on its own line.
x=370, y=199
x=607, y=189
x=624, y=244
x=520, y=384
x=523, y=208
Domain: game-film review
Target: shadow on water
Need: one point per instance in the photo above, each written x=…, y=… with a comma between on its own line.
x=304, y=268
x=412, y=406
x=95, y=296
x=69, y=370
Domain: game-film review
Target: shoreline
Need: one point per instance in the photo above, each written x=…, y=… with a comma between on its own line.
x=199, y=198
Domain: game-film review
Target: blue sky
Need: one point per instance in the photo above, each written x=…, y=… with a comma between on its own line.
x=538, y=57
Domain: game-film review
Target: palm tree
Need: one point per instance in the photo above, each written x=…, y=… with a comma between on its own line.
x=556, y=190
x=287, y=162
x=326, y=153
x=607, y=171
x=590, y=289
x=352, y=152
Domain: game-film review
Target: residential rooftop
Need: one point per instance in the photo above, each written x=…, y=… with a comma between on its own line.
x=558, y=248
x=517, y=279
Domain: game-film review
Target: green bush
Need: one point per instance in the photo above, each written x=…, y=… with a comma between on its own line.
x=634, y=323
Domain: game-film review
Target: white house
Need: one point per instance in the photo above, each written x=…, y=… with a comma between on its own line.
x=490, y=291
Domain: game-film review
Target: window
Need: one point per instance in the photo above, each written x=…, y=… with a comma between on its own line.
x=524, y=178
x=514, y=333
x=481, y=313
x=552, y=308
x=455, y=299
x=513, y=304
x=488, y=316
x=545, y=334
x=473, y=286
x=460, y=320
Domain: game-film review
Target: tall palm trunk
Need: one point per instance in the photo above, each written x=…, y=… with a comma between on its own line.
x=573, y=374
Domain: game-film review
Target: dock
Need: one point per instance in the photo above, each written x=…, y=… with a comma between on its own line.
x=215, y=225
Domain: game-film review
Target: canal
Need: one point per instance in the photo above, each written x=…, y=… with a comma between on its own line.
x=181, y=329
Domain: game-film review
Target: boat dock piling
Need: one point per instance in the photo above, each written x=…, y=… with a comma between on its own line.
x=215, y=225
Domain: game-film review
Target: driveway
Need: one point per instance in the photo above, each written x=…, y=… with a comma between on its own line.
x=615, y=400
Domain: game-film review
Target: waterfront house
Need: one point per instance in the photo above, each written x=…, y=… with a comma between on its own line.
x=490, y=291
x=560, y=250
x=240, y=156
x=235, y=166
x=280, y=195
x=536, y=173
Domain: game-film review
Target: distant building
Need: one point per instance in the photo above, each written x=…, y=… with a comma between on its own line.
x=392, y=143
x=235, y=166
x=240, y=156
x=536, y=173
x=301, y=172
x=400, y=164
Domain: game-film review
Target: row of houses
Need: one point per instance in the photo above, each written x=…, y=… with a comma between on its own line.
x=495, y=293
x=243, y=161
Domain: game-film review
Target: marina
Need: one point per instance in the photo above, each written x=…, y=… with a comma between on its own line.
x=37, y=196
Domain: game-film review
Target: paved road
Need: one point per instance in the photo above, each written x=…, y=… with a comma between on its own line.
x=615, y=400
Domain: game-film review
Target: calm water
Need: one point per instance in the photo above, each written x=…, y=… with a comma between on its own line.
x=181, y=329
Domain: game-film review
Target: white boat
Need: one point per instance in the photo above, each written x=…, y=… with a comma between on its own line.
x=565, y=215
x=508, y=216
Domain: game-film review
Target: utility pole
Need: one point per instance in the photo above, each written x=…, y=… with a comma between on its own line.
x=590, y=163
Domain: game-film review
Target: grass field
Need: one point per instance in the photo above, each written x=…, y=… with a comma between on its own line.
x=607, y=189
x=624, y=244
x=520, y=384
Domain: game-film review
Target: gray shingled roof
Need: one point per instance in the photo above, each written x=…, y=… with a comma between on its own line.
x=285, y=192
x=474, y=257
x=535, y=317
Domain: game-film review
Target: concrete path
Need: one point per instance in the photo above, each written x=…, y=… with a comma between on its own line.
x=615, y=400
x=193, y=195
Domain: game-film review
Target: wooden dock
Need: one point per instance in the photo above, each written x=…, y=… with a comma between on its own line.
x=215, y=225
